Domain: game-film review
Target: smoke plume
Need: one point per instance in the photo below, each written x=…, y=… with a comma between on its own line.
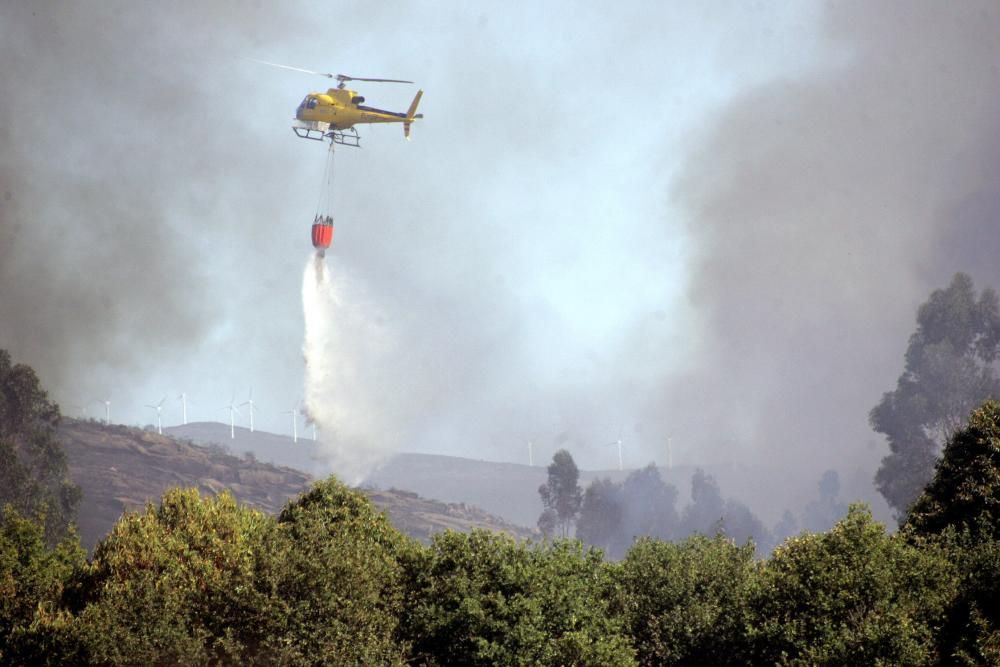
x=822, y=211
x=513, y=273
x=350, y=359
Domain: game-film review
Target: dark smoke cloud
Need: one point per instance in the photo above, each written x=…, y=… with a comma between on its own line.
x=823, y=210
x=112, y=152
x=153, y=203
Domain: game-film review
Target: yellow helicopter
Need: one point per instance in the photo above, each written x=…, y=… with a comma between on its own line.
x=332, y=115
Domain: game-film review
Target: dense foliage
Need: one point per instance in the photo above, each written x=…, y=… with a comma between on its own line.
x=561, y=496
x=203, y=580
x=614, y=514
x=961, y=509
x=685, y=603
x=851, y=596
x=33, y=473
x=484, y=599
x=965, y=491
x=948, y=372
x=33, y=580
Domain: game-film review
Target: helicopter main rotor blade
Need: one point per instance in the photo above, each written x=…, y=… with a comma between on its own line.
x=294, y=69
x=343, y=77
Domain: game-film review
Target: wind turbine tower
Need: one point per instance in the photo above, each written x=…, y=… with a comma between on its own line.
x=670, y=454
x=233, y=411
x=159, y=414
x=184, y=408
x=618, y=442
x=294, y=412
x=531, y=461
x=107, y=411
x=249, y=402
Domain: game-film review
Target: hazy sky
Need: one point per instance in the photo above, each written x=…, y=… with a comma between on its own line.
x=711, y=221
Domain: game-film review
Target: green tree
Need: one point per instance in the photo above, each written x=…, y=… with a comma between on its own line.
x=971, y=635
x=600, y=522
x=174, y=584
x=685, y=603
x=965, y=490
x=33, y=473
x=481, y=598
x=961, y=508
x=33, y=577
x=612, y=515
x=203, y=580
x=851, y=596
x=822, y=514
x=650, y=506
x=705, y=512
x=561, y=495
x=948, y=372
x=338, y=580
x=741, y=525
x=787, y=526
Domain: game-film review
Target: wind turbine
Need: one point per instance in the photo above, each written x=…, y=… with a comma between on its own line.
x=619, y=443
x=107, y=410
x=294, y=412
x=159, y=413
x=184, y=408
x=310, y=420
x=249, y=402
x=670, y=454
x=531, y=461
x=233, y=411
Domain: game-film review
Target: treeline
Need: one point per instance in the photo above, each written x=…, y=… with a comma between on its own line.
x=203, y=580
x=610, y=514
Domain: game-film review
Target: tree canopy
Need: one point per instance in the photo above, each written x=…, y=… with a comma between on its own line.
x=484, y=599
x=948, y=372
x=965, y=491
x=685, y=603
x=33, y=472
x=851, y=596
x=561, y=495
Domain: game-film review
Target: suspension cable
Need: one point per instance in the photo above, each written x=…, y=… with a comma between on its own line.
x=324, y=201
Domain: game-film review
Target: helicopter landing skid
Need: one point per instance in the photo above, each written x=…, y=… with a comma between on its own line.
x=344, y=137
x=317, y=131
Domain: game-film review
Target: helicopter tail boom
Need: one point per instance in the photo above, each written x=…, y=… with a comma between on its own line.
x=411, y=114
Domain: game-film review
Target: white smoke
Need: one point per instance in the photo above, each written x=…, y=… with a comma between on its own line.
x=348, y=351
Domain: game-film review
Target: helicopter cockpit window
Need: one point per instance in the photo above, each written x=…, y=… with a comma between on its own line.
x=305, y=101
x=312, y=103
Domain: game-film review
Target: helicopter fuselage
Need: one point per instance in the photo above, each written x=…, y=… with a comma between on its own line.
x=342, y=109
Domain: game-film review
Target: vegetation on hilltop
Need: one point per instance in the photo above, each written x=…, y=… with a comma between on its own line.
x=33, y=474
x=203, y=580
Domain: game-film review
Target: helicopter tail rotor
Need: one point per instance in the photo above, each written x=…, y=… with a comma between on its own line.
x=411, y=114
